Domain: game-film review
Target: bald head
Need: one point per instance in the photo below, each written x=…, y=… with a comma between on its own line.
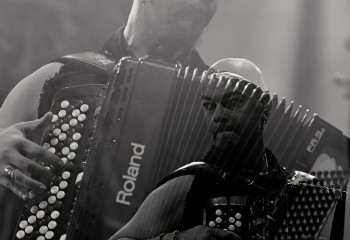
x=242, y=68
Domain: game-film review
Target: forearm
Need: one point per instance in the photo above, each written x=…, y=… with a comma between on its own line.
x=162, y=236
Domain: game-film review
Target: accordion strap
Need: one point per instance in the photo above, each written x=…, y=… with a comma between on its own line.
x=194, y=168
x=78, y=69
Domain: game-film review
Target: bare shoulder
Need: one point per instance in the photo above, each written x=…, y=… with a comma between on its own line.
x=160, y=212
x=22, y=102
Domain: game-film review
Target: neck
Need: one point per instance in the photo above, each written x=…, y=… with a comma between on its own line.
x=248, y=157
x=146, y=35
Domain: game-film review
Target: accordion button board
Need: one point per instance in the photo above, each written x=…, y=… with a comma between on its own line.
x=74, y=119
x=104, y=133
x=227, y=213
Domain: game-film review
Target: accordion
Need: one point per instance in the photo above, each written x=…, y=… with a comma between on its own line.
x=119, y=139
x=109, y=135
x=297, y=211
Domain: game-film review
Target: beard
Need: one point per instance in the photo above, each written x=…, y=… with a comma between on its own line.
x=234, y=152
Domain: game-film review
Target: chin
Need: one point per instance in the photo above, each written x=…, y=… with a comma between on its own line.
x=226, y=139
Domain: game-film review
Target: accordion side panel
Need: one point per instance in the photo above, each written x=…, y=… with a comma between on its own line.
x=48, y=216
x=128, y=159
x=299, y=141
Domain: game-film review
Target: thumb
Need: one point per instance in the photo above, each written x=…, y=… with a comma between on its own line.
x=31, y=129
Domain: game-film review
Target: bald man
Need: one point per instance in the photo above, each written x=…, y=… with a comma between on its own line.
x=165, y=29
x=238, y=164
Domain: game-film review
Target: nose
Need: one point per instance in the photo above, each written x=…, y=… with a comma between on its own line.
x=220, y=115
x=209, y=3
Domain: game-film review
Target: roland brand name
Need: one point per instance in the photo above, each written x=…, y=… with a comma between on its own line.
x=124, y=195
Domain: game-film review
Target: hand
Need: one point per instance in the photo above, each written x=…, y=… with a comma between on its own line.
x=18, y=149
x=201, y=232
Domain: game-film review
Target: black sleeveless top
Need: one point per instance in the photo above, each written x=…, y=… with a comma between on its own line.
x=210, y=181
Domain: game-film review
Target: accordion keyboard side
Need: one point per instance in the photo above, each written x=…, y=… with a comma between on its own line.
x=132, y=128
x=68, y=136
x=297, y=212
x=126, y=148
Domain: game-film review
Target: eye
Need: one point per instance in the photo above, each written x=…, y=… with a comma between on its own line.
x=209, y=106
x=233, y=103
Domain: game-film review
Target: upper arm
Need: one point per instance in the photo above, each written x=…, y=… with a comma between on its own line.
x=160, y=212
x=22, y=103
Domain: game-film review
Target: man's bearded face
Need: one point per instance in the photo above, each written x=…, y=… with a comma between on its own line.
x=234, y=115
x=185, y=18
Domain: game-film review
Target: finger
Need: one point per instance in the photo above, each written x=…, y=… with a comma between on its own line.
x=33, y=150
x=31, y=129
x=18, y=190
x=9, y=181
x=25, y=182
x=223, y=234
x=30, y=167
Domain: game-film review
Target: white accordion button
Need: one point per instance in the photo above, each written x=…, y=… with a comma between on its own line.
x=75, y=112
x=52, y=149
x=52, y=224
x=49, y=235
x=32, y=219
x=54, y=190
x=238, y=224
x=56, y=132
x=43, y=204
x=55, y=214
x=54, y=118
x=73, y=122
x=54, y=141
x=64, y=160
x=63, y=237
x=64, y=104
x=231, y=220
x=71, y=155
x=40, y=238
x=51, y=199
x=73, y=146
x=46, y=145
x=65, y=150
x=211, y=224
x=84, y=108
x=65, y=175
x=23, y=224
x=238, y=215
x=218, y=220
x=43, y=229
x=62, y=113
x=60, y=195
x=65, y=127
x=79, y=178
x=62, y=136
x=218, y=212
x=34, y=209
x=231, y=227
x=63, y=185
x=40, y=214
x=20, y=234
x=29, y=229
x=76, y=136
x=81, y=117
